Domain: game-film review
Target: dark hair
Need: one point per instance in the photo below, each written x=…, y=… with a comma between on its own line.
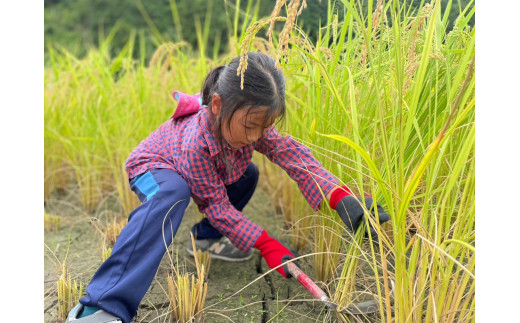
x=264, y=85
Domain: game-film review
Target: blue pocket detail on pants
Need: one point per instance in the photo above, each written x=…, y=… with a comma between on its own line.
x=147, y=185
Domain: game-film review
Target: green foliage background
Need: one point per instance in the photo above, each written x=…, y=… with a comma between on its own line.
x=78, y=25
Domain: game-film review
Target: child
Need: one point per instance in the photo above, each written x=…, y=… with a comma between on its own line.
x=204, y=152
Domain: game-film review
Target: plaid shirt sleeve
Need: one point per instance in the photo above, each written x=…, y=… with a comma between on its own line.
x=209, y=193
x=298, y=161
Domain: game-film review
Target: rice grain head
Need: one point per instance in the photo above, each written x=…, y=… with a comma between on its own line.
x=277, y=8
x=283, y=44
x=246, y=43
x=303, y=6
x=377, y=17
x=412, y=63
x=334, y=27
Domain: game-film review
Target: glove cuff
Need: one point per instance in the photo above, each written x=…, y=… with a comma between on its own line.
x=274, y=253
x=261, y=239
x=337, y=195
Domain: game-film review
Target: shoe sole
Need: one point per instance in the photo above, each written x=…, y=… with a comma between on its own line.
x=224, y=258
x=99, y=316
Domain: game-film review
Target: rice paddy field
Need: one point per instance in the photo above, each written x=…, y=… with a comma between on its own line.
x=385, y=99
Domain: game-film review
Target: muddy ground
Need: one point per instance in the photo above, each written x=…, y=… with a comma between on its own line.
x=271, y=298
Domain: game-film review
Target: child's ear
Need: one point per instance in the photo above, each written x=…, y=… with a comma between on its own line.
x=215, y=104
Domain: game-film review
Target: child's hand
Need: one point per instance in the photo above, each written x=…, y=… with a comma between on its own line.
x=274, y=253
x=351, y=212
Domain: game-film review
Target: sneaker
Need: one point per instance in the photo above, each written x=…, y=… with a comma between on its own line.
x=99, y=316
x=220, y=248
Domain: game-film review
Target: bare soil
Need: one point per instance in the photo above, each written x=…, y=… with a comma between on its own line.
x=231, y=295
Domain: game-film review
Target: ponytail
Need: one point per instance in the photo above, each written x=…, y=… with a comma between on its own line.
x=210, y=84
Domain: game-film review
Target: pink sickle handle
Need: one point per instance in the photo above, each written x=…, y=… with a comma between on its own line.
x=309, y=285
x=367, y=307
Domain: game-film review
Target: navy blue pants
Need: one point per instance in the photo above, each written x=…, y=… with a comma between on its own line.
x=123, y=279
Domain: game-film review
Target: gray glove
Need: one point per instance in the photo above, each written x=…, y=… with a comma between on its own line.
x=351, y=212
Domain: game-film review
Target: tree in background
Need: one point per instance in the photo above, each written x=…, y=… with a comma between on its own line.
x=78, y=25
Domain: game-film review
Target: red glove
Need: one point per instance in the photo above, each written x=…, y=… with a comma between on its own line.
x=274, y=253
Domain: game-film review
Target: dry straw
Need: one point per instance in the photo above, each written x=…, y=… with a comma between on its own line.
x=109, y=232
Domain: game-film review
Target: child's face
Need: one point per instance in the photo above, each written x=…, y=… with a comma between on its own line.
x=246, y=126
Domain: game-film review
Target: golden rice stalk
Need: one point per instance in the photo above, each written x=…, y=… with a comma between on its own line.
x=187, y=297
x=242, y=69
x=106, y=252
x=327, y=243
x=164, y=51
x=51, y=222
x=187, y=293
x=346, y=285
x=204, y=259
x=293, y=11
x=114, y=228
x=69, y=292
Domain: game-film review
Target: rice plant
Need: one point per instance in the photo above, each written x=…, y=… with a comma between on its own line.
x=327, y=243
x=51, y=222
x=110, y=234
x=204, y=261
x=386, y=100
x=187, y=292
x=113, y=228
x=412, y=144
x=109, y=231
x=106, y=251
x=69, y=292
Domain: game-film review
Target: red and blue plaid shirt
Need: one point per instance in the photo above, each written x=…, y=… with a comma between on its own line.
x=187, y=145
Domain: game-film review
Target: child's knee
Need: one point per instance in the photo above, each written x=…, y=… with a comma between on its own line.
x=173, y=189
x=182, y=192
x=176, y=191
